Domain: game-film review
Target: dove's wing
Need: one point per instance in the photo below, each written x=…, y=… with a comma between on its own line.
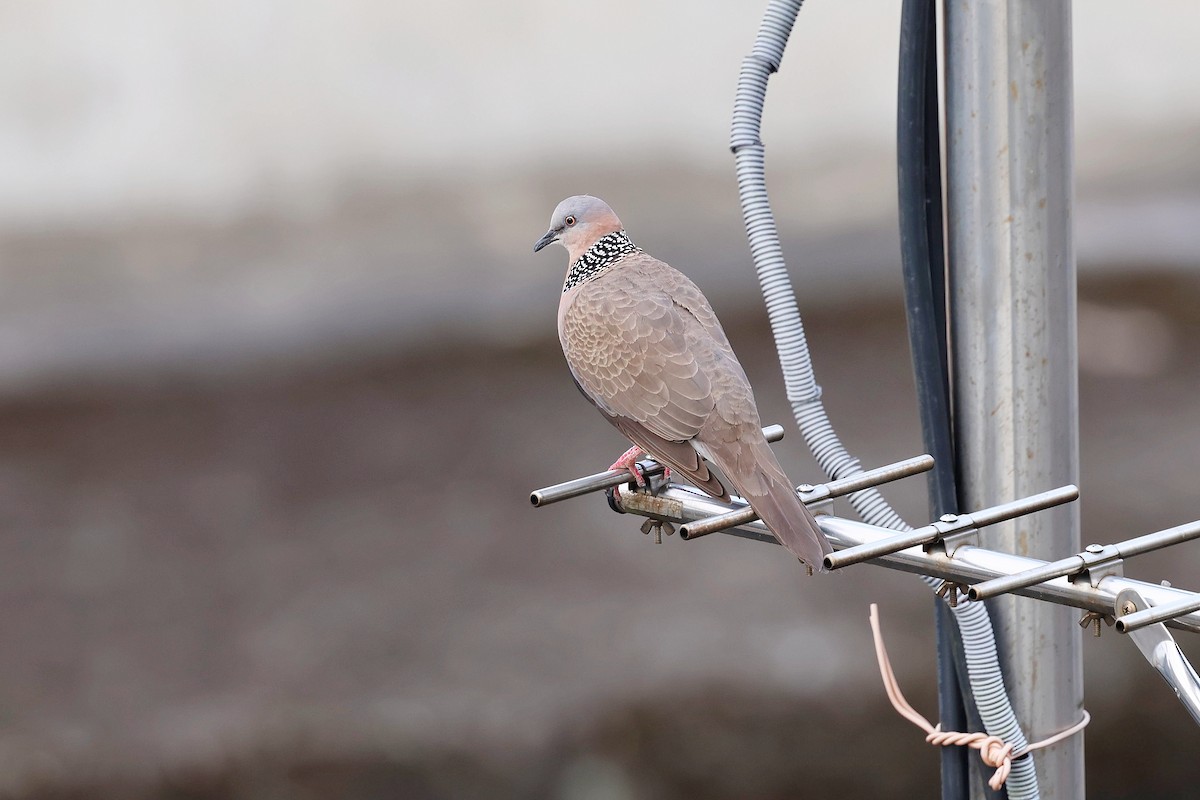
x=637, y=355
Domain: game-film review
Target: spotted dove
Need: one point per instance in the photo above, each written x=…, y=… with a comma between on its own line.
x=646, y=349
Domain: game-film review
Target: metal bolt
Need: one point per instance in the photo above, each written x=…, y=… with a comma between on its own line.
x=806, y=488
x=1128, y=607
x=1094, y=618
x=949, y=518
x=1094, y=548
x=1166, y=583
x=659, y=527
x=949, y=590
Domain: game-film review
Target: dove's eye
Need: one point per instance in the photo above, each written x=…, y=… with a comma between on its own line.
x=570, y=220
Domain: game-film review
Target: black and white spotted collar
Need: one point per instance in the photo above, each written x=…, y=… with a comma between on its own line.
x=608, y=250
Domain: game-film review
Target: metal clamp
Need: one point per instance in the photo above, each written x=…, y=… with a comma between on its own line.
x=946, y=532
x=1093, y=557
x=1158, y=646
x=1095, y=563
x=1133, y=619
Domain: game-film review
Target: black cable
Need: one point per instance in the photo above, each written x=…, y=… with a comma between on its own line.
x=919, y=171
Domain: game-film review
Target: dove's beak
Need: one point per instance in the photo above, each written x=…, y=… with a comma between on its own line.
x=550, y=238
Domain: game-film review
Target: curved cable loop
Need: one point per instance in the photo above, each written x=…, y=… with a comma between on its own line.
x=974, y=622
x=995, y=752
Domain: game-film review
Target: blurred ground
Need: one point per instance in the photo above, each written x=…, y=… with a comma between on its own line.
x=309, y=581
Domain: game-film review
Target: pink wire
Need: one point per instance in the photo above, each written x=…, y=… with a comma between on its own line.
x=994, y=751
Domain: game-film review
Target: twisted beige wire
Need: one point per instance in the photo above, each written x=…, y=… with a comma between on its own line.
x=994, y=751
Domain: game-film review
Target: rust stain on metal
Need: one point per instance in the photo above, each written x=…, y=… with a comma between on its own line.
x=649, y=505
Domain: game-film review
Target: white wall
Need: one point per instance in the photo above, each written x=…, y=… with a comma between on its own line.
x=209, y=107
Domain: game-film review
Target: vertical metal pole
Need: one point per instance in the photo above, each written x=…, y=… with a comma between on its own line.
x=1010, y=192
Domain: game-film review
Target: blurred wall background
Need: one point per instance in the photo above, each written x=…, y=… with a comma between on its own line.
x=277, y=369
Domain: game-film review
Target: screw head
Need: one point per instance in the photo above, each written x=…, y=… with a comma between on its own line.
x=949, y=518
x=1094, y=548
x=805, y=488
x=1127, y=608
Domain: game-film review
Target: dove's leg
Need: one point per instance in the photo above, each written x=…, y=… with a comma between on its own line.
x=628, y=461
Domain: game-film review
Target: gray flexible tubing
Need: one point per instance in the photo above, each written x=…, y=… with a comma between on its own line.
x=974, y=622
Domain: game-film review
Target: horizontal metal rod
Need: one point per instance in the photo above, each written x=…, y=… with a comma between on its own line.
x=1140, y=619
x=865, y=552
x=1095, y=556
x=730, y=519
x=951, y=523
x=606, y=480
x=1009, y=583
x=1158, y=539
x=1023, y=506
x=812, y=494
x=874, y=477
x=969, y=564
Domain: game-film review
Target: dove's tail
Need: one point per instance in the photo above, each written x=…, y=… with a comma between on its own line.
x=754, y=471
x=751, y=466
x=792, y=523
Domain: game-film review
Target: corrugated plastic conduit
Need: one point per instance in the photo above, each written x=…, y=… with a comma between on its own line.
x=974, y=622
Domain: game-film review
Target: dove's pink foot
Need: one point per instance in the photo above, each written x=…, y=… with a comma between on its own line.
x=628, y=461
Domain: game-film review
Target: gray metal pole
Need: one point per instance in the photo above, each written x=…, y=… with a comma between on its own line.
x=1010, y=193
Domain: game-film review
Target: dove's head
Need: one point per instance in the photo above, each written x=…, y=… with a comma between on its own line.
x=577, y=223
